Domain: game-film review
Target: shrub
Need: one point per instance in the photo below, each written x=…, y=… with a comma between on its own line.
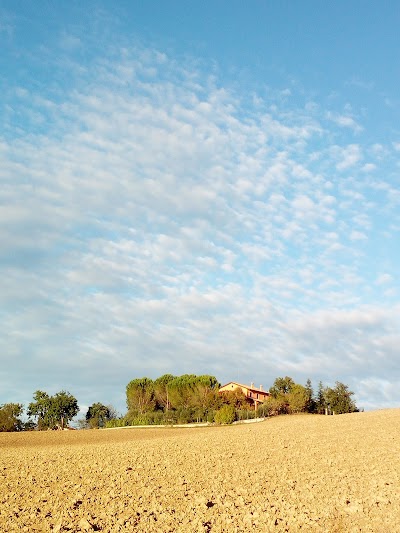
x=169, y=417
x=141, y=420
x=225, y=415
x=272, y=407
x=185, y=415
x=246, y=414
x=210, y=416
x=116, y=423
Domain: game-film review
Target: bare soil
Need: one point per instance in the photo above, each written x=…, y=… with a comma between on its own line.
x=291, y=473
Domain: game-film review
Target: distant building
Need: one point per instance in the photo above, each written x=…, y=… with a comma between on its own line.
x=256, y=396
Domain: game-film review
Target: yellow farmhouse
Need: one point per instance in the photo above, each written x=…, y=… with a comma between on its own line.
x=256, y=396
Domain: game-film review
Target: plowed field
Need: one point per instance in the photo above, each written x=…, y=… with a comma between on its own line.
x=293, y=473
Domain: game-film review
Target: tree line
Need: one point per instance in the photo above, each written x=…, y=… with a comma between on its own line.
x=52, y=412
x=181, y=399
x=288, y=397
x=191, y=398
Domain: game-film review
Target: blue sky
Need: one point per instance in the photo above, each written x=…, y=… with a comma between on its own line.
x=199, y=188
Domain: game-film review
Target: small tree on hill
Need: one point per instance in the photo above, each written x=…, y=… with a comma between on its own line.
x=320, y=403
x=278, y=402
x=9, y=417
x=64, y=407
x=281, y=386
x=311, y=404
x=40, y=409
x=53, y=411
x=97, y=415
x=339, y=399
x=297, y=399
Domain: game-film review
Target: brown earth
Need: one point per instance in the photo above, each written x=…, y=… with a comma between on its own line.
x=293, y=473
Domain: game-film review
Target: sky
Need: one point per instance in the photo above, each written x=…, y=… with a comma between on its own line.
x=199, y=187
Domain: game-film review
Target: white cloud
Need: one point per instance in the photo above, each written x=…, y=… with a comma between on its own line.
x=303, y=203
x=369, y=167
x=348, y=156
x=70, y=42
x=158, y=222
x=362, y=84
x=357, y=236
x=345, y=121
x=383, y=279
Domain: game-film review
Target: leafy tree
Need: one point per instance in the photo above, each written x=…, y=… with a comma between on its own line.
x=205, y=391
x=40, y=409
x=9, y=417
x=320, y=403
x=140, y=396
x=161, y=391
x=311, y=404
x=181, y=391
x=53, y=411
x=113, y=412
x=237, y=398
x=339, y=399
x=286, y=397
x=273, y=406
x=280, y=392
x=281, y=386
x=173, y=398
x=97, y=415
x=64, y=407
x=297, y=399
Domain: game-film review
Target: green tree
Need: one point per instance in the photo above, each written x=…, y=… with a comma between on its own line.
x=97, y=415
x=286, y=397
x=53, y=411
x=339, y=399
x=140, y=396
x=280, y=392
x=273, y=406
x=64, y=407
x=205, y=392
x=40, y=409
x=297, y=399
x=281, y=386
x=237, y=398
x=320, y=403
x=311, y=405
x=161, y=391
x=181, y=391
x=9, y=417
x=171, y=398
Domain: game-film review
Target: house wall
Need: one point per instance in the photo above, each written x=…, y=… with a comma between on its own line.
x=255, y=394
x=232, y=386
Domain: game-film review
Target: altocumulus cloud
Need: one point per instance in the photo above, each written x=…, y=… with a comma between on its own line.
x=155, y=219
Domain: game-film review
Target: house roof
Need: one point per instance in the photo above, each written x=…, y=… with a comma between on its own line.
x=248, y=387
